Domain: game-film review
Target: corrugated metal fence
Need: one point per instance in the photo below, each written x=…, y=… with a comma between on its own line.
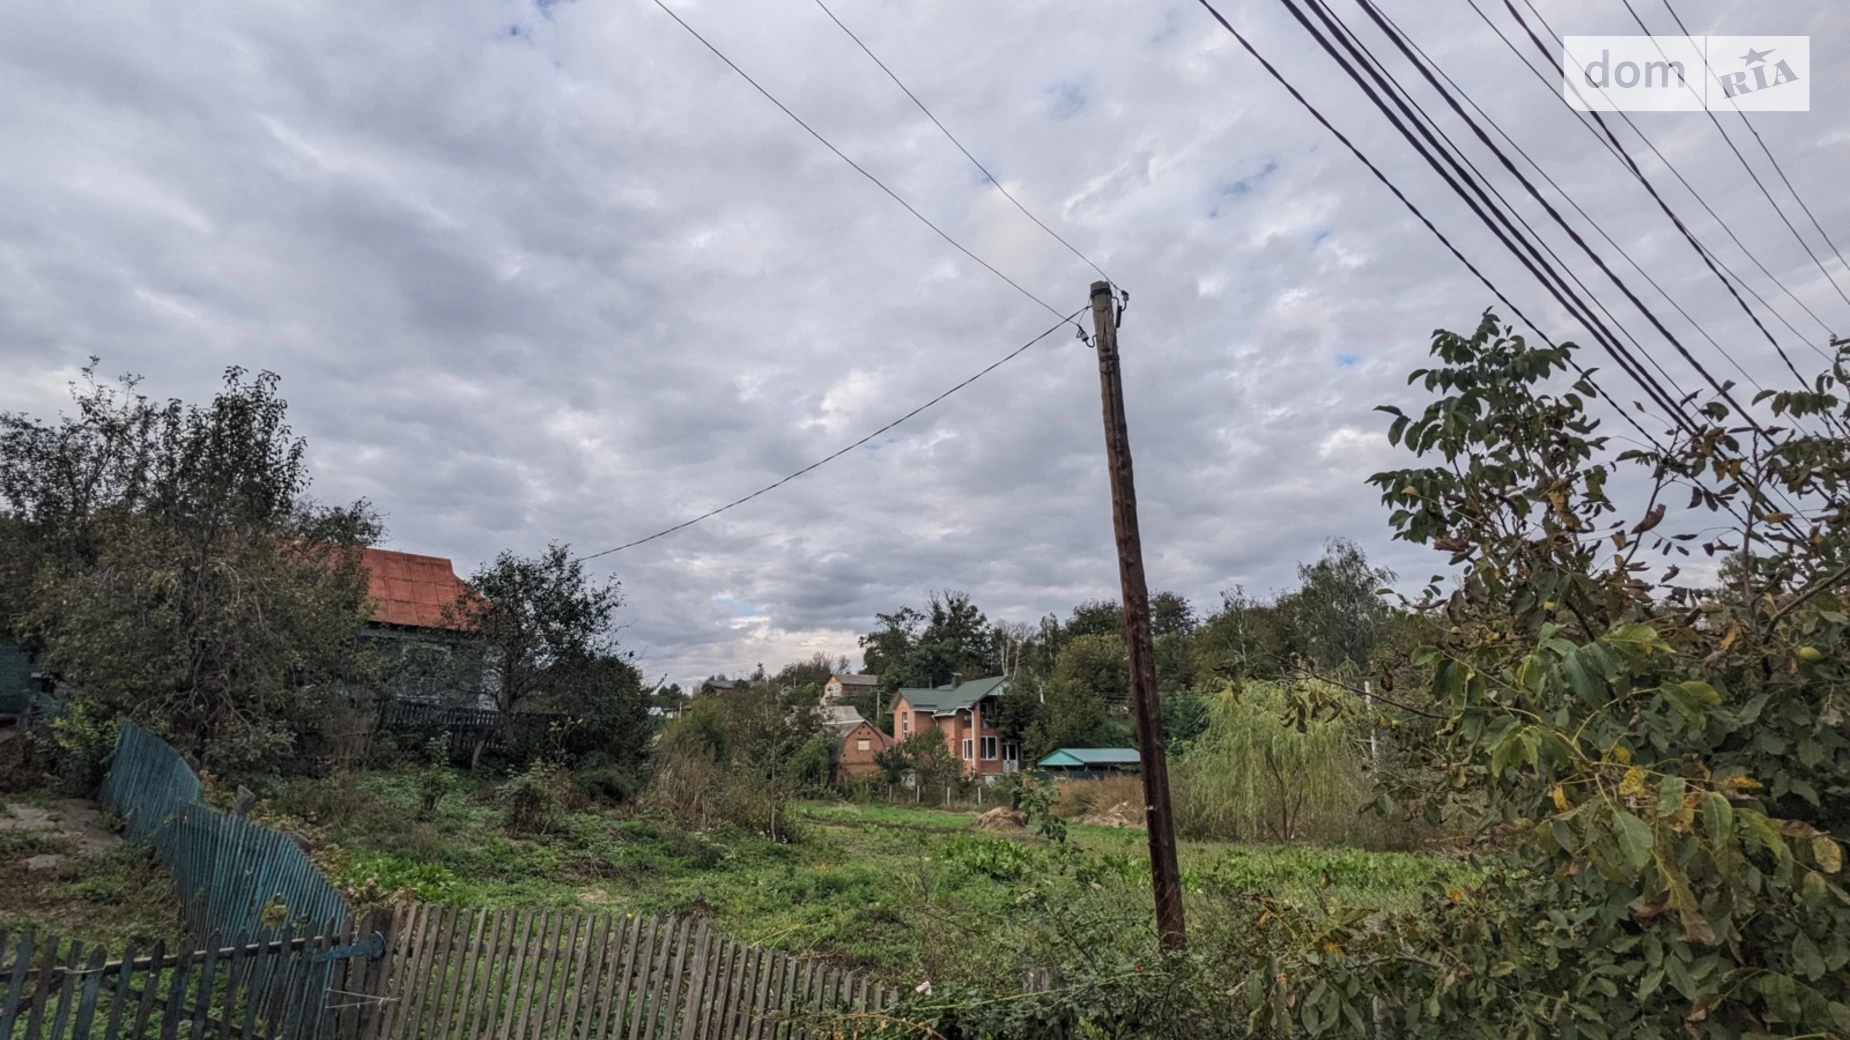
x=233, y=876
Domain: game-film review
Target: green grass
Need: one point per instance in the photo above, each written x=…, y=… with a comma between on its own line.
x=905, y=891
x=111, y=897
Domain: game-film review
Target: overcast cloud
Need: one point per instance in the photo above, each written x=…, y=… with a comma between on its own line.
x=553, y=272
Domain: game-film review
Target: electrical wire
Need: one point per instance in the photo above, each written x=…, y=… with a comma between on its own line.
x=1729, y=141
x=1769, y=154
x=1473, y=178
x=1379, y=75
x=1550, y=181
x=1525, y=252
x=858, y=168
x=993, y=179
x=1609, y=141
x=1418, y=214
x=998, y=363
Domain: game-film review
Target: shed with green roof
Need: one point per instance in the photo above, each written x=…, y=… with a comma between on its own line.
x=1090, y=762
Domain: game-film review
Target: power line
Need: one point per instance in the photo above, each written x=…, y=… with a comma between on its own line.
x=1550, y=181
x=1296, y=95
x=1729, y=141
x=1531, y=259
x=1381, y=77
x=858, y=168
x=1480, y=185
x=1769, y=155
x=993, y=179
x=1610, y=142
x=998, y=363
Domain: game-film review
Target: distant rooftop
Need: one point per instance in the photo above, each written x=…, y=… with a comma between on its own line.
x=857, y=680
x=942, y=700
x=411, y=590
x=1081, y=758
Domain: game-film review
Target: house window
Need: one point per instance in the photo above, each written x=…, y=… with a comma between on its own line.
x=905, y=725
x=863, y=745
x=989, y=718
x=966, y=749
x=1010, y=750
x=989, y=749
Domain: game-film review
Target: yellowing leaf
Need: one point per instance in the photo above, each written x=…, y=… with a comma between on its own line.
x=1622, y=754
x=1829, y=854
x=1632, y=786
x=1560, y=797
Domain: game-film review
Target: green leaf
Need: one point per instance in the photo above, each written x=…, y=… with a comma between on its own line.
x=1717, y=818
x=1635, y=839
x=1806, y=958
x=1670, y=795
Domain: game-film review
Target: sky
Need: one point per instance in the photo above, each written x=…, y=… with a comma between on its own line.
x=554, y=272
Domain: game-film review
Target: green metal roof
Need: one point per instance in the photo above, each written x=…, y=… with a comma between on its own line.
x=943, y=700
x=1081, y=758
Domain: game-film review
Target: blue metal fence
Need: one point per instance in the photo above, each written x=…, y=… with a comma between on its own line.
x=233, y=876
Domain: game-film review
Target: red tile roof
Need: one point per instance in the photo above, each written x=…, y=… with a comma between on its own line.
x=407, y=589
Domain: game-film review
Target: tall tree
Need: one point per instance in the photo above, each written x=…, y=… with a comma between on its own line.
x=166, y=560
x=537, y=624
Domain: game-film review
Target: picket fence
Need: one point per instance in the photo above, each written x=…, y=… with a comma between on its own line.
x=51, y=989
x=586, y=975
x=233, y=876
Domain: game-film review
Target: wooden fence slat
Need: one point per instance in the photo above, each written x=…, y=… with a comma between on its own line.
x=202, y=1001
x=722, y=978
x=45, y=988
x=392, y=985
x=425, y=960
x=550, y=924
x=16, y=984
x=118, y=997
x=237, y=970
x=474, y=935
x=597, y=939
x=761, y=993
x=554, y=992
x=68, y=988
x=618, y=985
x=721, y=959
x=176, y=995
x=658, y=978
x=508, y=1002
x=696, y=982
x=639, y=983
x=738, y=1018
x=485, y=998
x=671, y=985
x=148, y=986
x=457, y=957
x=786, y=985
x=283, y=971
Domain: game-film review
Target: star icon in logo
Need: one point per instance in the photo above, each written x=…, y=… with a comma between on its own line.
x=1754, y=57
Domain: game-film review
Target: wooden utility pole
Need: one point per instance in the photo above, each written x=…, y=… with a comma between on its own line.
x=1158, y=817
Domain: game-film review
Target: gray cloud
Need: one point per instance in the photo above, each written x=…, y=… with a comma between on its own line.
x=554, y=273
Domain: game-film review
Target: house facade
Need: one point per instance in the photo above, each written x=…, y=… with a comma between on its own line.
x=838, y=685
x=965, y=714
x=857, y=742
x=414, y=600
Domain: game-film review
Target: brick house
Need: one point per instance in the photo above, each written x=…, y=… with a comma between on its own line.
x=841, y=684
x=857, y=742
x=965, y=713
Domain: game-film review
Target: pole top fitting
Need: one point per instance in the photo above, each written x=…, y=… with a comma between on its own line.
x=1101, y=289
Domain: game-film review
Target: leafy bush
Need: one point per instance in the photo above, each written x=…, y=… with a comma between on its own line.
x=534, y=800
x=428, y=882
x=608, y=784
